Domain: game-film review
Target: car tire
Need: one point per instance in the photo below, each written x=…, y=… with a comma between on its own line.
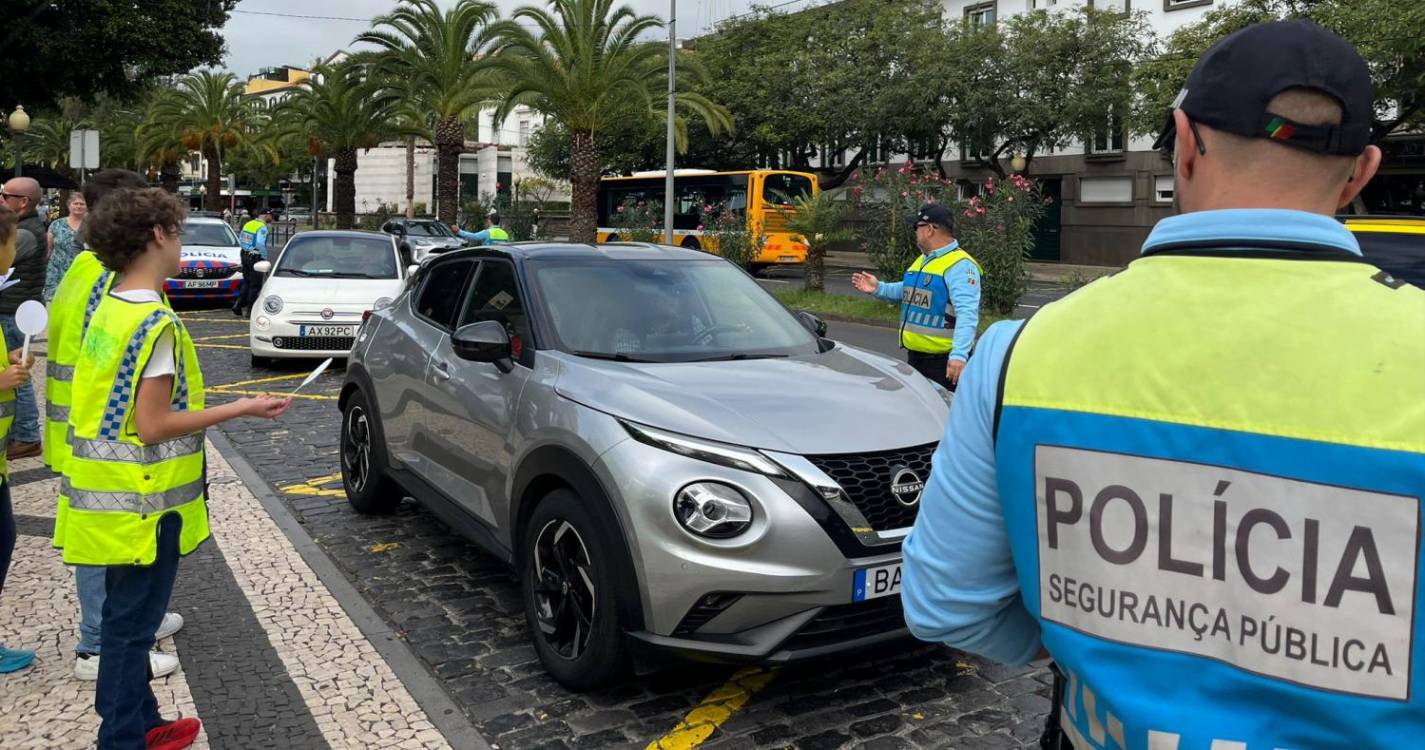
x=263, y=362
x=574, y=621
x=363, y=472
x=692, y=244
x=756, y=268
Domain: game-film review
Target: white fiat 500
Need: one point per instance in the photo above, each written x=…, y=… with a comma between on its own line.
x=318, y=291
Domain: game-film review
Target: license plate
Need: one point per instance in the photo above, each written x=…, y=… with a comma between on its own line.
x=201, y=283
x=788, y=258
x=305, y=330
x=874, y=583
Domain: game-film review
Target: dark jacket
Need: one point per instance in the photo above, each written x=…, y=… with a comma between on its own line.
x=31, y=264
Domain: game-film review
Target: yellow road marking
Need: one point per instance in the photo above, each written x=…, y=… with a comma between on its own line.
x=314, y=487
x=312, y=396
x=221, y=338
x=187, y=319
x=715, y=709
x=221, y=346
x=272, y=379
x=387, y=547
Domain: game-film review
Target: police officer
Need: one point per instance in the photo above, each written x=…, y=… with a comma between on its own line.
x=1197, y=483
x=492, y=234
x=940, y=299
x=253, y=244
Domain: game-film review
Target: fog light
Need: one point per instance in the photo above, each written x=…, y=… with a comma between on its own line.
x=712, y=510
x=277, y=342
x=262, y=323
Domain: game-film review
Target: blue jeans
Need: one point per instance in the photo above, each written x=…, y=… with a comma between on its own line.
x=89, y=581
x=26, y=428
x=137, y=597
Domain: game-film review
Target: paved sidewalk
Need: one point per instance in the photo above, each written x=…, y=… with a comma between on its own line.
x=269, y=657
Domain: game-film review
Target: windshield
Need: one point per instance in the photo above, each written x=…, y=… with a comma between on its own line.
x=782, y=189
x=665, y=311
x=338, y=257
x=427, y=229
x=1403, y=255
x=204, y=233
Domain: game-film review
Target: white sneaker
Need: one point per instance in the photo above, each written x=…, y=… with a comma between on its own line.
x=87, y=667
x=172, y=623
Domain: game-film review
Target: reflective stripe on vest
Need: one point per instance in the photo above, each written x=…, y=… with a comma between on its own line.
x=130, y=502
x=57, y=371
x=71, y=310
x=118, y=450
x=927, y=314
x=1220, y=536
x=95, y=295
x=56, y=412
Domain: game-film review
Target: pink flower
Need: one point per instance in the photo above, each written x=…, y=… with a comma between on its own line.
x=980, y=210
x=904, y=194
x=620, y=209
x=700, y=227
x=969, y=213
x=1048, y=200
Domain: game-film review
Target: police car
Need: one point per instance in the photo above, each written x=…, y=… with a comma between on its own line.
x=210, y=264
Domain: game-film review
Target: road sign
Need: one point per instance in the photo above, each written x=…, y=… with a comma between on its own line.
x=84, y=149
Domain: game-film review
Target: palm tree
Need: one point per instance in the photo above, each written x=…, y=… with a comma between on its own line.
x=440, y=55
x=816, y=221
x=211, y=115
x=337, y=112
x=47, y=143
x=583, y=67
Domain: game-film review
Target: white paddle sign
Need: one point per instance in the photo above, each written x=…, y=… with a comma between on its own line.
x=321, y=368
x=31, y=318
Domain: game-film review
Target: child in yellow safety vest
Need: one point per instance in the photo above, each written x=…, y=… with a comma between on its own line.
x=133, y=495
x=17, y=373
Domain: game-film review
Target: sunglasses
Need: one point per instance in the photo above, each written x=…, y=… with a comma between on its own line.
x=7, y=196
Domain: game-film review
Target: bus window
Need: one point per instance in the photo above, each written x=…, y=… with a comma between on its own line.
x=782, y=188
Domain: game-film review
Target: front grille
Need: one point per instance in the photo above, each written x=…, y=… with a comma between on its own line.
x=867, y=477
x=846, y=622
x=314, y=343
x=206, y=273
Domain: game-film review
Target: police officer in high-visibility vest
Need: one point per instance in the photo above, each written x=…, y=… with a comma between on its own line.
x=134, y=486
x=252, y=242
x=492, y=234
x=939, y=296
x=15, y=374
x=75, y=300
x=1197, y=483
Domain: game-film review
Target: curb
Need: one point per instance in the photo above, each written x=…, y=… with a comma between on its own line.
x=442, y=712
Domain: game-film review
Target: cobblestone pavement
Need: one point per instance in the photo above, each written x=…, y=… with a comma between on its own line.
x=459, y=613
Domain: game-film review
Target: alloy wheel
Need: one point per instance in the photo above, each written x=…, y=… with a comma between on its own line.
x=565, y=598
x=356, y=449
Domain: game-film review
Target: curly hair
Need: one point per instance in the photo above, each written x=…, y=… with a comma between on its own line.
x=120, y=229
x=9, y=221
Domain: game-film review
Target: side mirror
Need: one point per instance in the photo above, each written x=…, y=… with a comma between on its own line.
x=485, y=341
x=262, y=266
x=812, y=323
x=412, y=269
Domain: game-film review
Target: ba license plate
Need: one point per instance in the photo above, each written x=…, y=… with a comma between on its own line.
x=788, y=259
x=308, y=330
x=201, y=283
x=874, y=583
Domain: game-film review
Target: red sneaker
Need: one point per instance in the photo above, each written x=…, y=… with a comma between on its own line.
x=174, y=735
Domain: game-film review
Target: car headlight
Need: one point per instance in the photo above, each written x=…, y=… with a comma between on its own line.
x=713, y=452
x=712, y=510
x=380, y=303
x=273, y=304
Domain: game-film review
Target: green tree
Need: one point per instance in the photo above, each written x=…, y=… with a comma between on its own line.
x=817, y=222
x=336, y=113
x=1385, y=32
x=585, y=61
x=210, y=115
x=56, y=48
x=631, y=144
x=442, y=56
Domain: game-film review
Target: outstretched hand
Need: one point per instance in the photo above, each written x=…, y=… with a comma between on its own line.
x=265, y=407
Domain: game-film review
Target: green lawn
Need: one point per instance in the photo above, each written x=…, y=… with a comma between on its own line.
x=864, y=309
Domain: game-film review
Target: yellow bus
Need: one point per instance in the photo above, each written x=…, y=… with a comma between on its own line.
x=756, y=193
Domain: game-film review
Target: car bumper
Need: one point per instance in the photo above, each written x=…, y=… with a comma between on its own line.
x=282, y=339
x=781, y=591
x=226, y=289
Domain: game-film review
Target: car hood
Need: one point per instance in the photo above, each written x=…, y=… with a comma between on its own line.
x=846, y=400
x=331, y=291
x=218, y=253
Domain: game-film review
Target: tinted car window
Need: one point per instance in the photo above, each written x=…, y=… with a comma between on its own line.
x=1403, y=255
x=442, y=291
x=782, y=188
x=496, y=296
x=427, y=229
x=338, y=258
x=203, y=233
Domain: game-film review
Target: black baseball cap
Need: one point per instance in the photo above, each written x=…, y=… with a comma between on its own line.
x=1230, y=87
x=934, y=213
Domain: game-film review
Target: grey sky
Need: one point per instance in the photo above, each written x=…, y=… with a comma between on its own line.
x=256, y=41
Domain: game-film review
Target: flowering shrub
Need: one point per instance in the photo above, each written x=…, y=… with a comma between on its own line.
x=725, y=232
x=887, y=200
x=639, y=221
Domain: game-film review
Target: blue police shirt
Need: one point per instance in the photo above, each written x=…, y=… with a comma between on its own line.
x=254, y=243
x=482, y=237
x=963, y=279
x=959, y=586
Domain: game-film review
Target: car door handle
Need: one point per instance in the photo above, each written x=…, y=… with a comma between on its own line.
x=442, y=369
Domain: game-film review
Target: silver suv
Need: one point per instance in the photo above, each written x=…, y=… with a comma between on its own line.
x=671, y=460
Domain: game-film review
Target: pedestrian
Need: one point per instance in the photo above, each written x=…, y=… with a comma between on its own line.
x=11, y=659
x=22, y=195
x=1197, y=483
x=135, y=479
x=939, y=296
x=71, y=309
x=252, y=242
x=64, y=243
x=492, y=234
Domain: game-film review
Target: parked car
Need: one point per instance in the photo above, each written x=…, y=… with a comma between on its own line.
x=318, y=291
x=210, y=265
x=670, y=459
x=419, y=238
x=1392, y=243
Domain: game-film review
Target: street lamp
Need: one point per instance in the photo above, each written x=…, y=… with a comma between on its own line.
x=19, y=123
x=1018, y=163
x=672, y=100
